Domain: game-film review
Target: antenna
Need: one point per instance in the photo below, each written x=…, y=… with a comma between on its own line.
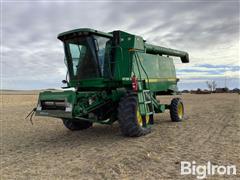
x=225, y=78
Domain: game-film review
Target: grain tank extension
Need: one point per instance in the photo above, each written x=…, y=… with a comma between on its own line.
x=113, y=76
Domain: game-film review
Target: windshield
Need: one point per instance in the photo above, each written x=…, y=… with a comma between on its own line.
x=83, y=62
x=88, y=57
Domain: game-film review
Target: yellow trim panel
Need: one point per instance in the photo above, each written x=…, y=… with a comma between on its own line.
x=162, y=79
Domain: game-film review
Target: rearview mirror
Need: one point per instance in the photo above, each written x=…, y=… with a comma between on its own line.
x=64, y=81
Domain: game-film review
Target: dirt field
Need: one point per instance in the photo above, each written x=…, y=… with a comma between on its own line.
x=46, y=150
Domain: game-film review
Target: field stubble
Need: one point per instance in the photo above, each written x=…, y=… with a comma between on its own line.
x=46, y=150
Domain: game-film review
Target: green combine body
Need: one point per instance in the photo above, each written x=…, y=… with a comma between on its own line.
x=113, y=76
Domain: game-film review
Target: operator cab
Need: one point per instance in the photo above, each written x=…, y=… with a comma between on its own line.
x=87, y=53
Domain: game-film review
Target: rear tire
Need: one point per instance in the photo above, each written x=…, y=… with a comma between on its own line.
x=176, y=110
x=75, y=125
x=127, y=117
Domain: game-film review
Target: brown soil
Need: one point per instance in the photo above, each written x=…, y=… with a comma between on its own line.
x=47, y=150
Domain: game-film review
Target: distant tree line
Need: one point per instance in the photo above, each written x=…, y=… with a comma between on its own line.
x=212, y=88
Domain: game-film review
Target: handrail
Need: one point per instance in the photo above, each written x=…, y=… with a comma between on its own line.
x=138, y=67
x=143, y=70
x=138, y=59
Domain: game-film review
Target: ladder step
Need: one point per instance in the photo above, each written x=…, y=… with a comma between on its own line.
x=145, y=102
x=149, y=113
x=146, y=91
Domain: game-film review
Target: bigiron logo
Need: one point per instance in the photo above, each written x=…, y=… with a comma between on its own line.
x=209, y=169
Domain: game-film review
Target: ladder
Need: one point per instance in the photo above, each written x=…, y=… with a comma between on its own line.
x=145, y=102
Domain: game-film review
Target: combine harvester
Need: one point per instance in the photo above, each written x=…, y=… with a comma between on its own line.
x=114, y=76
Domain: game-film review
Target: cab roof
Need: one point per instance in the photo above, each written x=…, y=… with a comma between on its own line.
x=83, y=31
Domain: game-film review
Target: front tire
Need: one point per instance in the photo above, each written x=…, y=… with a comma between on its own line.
x=176, y=110
x=75, y=125
x=128, y=117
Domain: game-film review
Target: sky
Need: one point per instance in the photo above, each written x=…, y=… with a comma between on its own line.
x=32, y=57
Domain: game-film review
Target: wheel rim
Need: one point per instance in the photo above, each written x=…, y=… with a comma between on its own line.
x=139, y=118
x=180, y=110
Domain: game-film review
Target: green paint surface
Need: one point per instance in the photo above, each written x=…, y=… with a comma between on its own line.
x=115, y=57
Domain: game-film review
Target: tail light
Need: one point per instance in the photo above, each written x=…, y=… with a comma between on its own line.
x=134, y=83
